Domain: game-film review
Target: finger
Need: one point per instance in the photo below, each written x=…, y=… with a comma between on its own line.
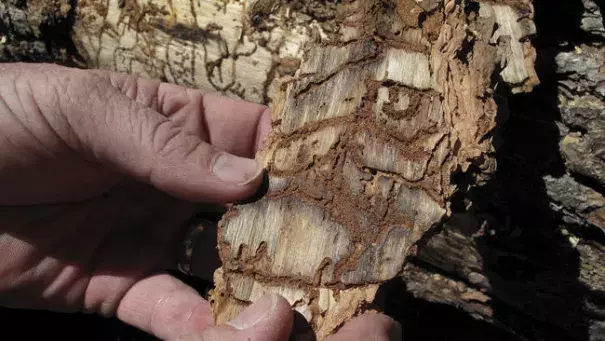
x=268, y=319
x=165, y=307
x=125, y=135
x=232, y=125
x=369, y=327
x=220, y=113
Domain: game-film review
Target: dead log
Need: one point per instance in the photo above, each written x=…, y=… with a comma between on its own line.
x=529, y=253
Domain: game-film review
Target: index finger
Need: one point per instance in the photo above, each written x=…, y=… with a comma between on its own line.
x=232, y=125
x=237, y=125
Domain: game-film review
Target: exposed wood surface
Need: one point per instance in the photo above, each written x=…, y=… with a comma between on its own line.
x=367, y=134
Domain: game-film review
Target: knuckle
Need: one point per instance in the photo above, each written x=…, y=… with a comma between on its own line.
x=139, y=89
x=164, y=137
x=171, y=98
x=130, y=87
x=194, y=95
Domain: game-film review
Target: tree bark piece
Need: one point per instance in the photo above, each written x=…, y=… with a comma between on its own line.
x=366, y=137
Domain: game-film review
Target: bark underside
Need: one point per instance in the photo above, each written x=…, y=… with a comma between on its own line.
x=363, y=139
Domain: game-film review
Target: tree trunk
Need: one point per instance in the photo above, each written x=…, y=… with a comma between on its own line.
x=530, y=253
x=391, y=147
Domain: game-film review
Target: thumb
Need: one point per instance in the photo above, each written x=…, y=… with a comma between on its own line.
x=268, y=319
x=136, y=140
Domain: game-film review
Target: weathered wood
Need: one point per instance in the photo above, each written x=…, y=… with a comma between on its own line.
x=367, y=134
x=36, y=31
x=529, y=253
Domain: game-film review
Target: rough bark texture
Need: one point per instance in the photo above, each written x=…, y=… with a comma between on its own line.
x=379, y=114
x=522, y=247
x=529, y=254
x=37, y=31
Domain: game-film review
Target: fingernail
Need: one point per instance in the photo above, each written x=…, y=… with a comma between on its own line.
x=235, y=169
x=262, y=190
x=255, y=313
x=301, y=329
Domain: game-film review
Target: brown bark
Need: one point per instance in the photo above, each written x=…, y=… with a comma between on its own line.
x=367, y=135
x=530, y=253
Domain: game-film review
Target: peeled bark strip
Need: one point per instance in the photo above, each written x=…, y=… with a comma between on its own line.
x=249, y=48
x=379, y=114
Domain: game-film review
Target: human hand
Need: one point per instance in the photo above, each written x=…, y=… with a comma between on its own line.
x=97, y=170
x=271, y=319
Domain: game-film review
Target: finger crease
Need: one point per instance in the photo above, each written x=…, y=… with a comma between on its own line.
x=155, y=311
